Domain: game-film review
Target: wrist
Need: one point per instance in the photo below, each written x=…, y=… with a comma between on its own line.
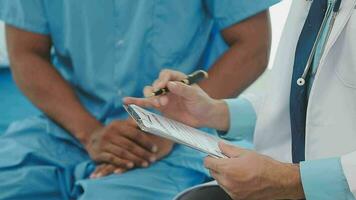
x=85, y=130
x=219, y=116
x=292, y=184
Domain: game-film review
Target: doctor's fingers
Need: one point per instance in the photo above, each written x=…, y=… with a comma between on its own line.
x=220, y=179
x=147, y=91
x=231, y=151
x=222, y=166
x=214, y=164
x=188, y=92
x=151, y=102
x=214, y=174
x=167, y=75
x=223, y=182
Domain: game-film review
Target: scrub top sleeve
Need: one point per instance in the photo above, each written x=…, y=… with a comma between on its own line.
x=324, y=179
x=230, y=12
x=242, y=120
x=28, y=15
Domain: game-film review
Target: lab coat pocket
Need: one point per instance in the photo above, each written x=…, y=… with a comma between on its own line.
x=347, y=75
x=346, y=68
x=179, y=31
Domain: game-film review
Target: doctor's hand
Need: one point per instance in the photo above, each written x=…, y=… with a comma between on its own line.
x=248, y=175
x=121, y=146
x=185, y=103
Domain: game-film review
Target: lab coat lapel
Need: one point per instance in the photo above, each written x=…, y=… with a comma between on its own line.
x=346, y=10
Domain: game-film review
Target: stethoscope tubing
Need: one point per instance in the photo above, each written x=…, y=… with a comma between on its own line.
x=335, y=11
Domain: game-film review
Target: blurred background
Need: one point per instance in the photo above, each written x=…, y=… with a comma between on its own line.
x=14, y=106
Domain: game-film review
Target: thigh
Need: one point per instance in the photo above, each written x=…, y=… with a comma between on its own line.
x=159, y=181
x=35, y=164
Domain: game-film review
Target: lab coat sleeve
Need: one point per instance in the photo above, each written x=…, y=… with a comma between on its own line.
x=28, y=15
x=242, y=119
x=229, y=12
x=324, y=179
x=348, y=162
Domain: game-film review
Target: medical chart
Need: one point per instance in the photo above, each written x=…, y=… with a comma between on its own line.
x=175, y=131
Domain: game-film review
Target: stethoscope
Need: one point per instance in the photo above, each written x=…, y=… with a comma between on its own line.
x=334, y=11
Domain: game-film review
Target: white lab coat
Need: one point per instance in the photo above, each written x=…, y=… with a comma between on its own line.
x=331, y=113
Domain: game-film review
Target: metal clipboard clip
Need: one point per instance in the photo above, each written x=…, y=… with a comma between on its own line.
x=133, y=114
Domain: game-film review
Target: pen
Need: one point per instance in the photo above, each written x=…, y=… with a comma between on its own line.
x=195, y=77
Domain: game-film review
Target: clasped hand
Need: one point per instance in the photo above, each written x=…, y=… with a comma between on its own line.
x=121, y=146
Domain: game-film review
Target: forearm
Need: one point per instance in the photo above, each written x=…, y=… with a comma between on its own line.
x=290, y=182
x=234, y=71
x=245, y=60
x=45, y=87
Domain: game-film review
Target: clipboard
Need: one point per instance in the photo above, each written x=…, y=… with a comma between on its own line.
x=175, y=131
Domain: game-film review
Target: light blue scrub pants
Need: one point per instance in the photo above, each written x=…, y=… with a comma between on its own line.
x=39, y=160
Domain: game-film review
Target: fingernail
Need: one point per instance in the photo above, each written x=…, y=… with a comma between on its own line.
x=155, y=88
x=152, y=159
x=154, y=149
x=99, y=175
x=92, y=176
x=130, y=165
x=173, y=84
x=145, y=164
x=118, y=171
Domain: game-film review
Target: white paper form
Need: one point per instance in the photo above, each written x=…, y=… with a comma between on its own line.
x=176, y=131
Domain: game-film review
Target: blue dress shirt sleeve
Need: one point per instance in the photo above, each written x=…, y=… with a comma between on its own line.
x=242, y=120
x=229, y=12
x=324, y=179
x=28, y=15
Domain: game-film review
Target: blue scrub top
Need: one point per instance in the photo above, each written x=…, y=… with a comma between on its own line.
x=111, y=49
x=108, y=49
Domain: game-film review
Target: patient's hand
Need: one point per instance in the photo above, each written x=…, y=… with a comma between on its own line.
x=121, y=146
